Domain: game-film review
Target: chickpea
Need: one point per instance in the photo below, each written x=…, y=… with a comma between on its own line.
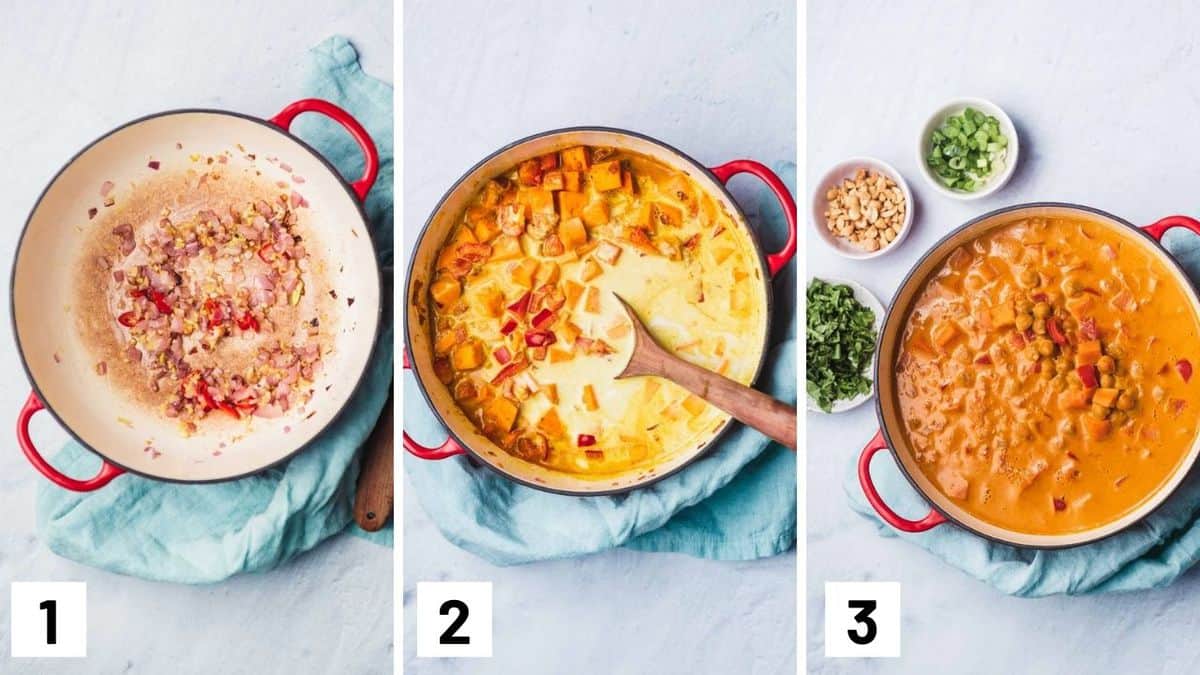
x=1099, y=411
x=1024, y=321
x=1047, y=371
x=1115, y=350
x=1126, y=401
x=1029, y=277
x=1106, y=364
x=1044, y=346
x=1062, y=366
x=1041, y=310
x=1025, y=305
x=1071, y=286
x=1039, y=326
x=1108, y=381
x=1117, y=417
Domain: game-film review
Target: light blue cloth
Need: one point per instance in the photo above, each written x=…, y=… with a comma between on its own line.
x=1151, y=554
x=205, y=533
x=738, y=502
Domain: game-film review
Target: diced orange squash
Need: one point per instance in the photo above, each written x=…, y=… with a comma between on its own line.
x=575, y=159
x=500, y=413
x=572, y=291
x=693, y=404
x=590, y=270
x=1075, y=399
x=591, y=303
x=529, y=173
x=595, y=213
x=1089, y=353
x=548, y=161
x=511, y=217
x=1106, y=396
x=721, y=253
x=536, y=201
x=1095, y=428
x=619, y=330
x=651, y=387
x=572, y=181
x=551, y=392
x=627, y=185
x=506, y=247
x=1003, y=315
x=445, y=342
x=522, y=272
x=569, y=332
x=467, y=356
x=572, y=233
x=487, y=230
x=605, y=176
x=553, y=180
x=559, y=355
x=1124, y=301
x=944, y=333
x=547, y=273
x=608, y=252
x=1079, y=305
x=551, y=425
x=445, y=291
x=489, y=301
x=570, y=204
x=463, y=235
x=589, y=398
x=659, y=214
x=491, y=194
x=680, y=187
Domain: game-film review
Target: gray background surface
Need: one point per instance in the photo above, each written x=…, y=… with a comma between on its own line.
x=717, y=80
x=1105, y=98
x=72, y=71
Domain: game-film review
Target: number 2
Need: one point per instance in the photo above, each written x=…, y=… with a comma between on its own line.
x=864, y=607
x=448, y=637
x=51, y=608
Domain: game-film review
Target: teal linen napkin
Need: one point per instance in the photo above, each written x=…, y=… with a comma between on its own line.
x=1151, y=554
x=738, y=502
x=206, y=533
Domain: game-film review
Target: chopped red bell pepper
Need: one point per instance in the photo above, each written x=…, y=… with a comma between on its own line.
x=127, y=319
x=137, y=293
x=521, y=305
x=1088, y=329
x=229, y=409
x=502, y=355
x=215, y=313
x=1087, y=374
x=248, y=403
x=248, y=322
x=207, y=398
x=542, y=319
x=1185, y=369
x=1055, y=331
x=585, y=440
x=510, y=370
x=985, y=360
x=540, y=338
x=508, y=327
x=266, y=253
x=1060, y=504
x=160, y=301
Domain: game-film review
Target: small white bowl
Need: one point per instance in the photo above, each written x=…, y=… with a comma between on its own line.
x=868, y=300
x=955, y=107
x=834, y=176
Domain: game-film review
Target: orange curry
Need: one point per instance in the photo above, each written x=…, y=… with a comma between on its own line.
x=1045, y=375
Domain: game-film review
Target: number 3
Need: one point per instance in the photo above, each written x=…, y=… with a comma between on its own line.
x=448, y=637
x=864, y=607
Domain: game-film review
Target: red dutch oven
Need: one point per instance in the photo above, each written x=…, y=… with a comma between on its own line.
x=891, y=434
x=463, y=437
x=127, y=435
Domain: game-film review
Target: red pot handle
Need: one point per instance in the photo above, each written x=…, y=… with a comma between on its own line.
x=1158, y=229
x=363, y=185
x=775, y=261
x=107, y=471
x=448, y=449
x=889, y=516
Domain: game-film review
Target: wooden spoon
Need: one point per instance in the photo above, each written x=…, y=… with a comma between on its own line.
x=375, y=495
x=753, y=408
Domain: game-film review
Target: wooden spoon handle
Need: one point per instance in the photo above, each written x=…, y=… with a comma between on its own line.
x=751, y=407
x=374, y=498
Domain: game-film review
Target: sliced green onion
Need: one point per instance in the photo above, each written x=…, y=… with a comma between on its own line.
x=966, y=150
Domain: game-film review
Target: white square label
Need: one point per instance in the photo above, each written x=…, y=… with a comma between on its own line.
x=49, y=619
x=454, y=619
x=862, y=618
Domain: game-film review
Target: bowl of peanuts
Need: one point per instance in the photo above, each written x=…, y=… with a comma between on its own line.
x=862, y=208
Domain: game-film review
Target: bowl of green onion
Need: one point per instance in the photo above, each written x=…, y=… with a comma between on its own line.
x=968, y=149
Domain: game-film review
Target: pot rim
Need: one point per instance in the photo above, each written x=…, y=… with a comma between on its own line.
x=767, y=280
x=359, y=205
x=1161, y=495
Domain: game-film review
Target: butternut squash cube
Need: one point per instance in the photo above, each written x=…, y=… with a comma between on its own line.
x=569, y=332
x=590, y=270
x=536, y=201
x=551, y=392
x=589, y=398
x=547, y=273
x=511, y=218
x=445, y=291
x=572, y=233
x=530, y=173
x=489, y=301
x=693, y=404
x=721, y=253
x=944, y=333
x=1079, y=305
x=1089, y=353
x=575, y=159
x=506, y=247
x=570, y=204
x=591, y=303
x=605, y=176
x=1106, y=396
x=522, y=272
x=572, y=291
x=1075, y=399
x=500, y=414
x=1096, y=429
x=551, y=425
x=467, y=356
x=627, y=185
x=595, y=213
x=659, y=214
x=572, y=181
x=559, y=355
x=608, y=252
x=553, y=180
x=1003, y=315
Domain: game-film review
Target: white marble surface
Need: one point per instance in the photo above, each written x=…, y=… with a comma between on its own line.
x=717, y=82
x=71, y=72
x=1105, y=98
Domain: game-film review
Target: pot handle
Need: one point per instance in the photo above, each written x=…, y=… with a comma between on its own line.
x=777, y=260
x=107, y=471
x=448, y=449
x=363, y=185
x=1158, y=229
x=930, y=521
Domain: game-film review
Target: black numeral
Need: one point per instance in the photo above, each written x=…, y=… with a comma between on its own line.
x=51, y=608
x=864, y=607
x=448, y=637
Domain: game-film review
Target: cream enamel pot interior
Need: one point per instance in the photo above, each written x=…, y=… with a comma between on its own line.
x=463, y=437
x=891, y=426
x=59, y=366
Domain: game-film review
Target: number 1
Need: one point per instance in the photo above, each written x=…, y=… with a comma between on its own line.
x=51, y=608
